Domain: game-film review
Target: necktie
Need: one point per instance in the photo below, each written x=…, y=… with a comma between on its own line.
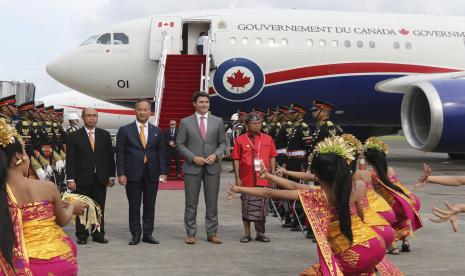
x=203, y=130
x=172, y=132
x=91, y=139
x=143, y=140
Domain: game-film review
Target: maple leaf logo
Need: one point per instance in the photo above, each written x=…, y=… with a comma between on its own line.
x=237, y=80
x=404, y=31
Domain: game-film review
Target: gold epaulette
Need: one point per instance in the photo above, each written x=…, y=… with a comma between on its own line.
x=329, y=123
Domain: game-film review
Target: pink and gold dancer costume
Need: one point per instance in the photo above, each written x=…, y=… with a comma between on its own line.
x=407, y=218
x=337, y=256
x=41, y=246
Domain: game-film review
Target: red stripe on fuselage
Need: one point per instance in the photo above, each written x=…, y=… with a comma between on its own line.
x=350, y=68
x=110, y=111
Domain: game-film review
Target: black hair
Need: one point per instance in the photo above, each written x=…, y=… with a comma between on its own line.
x=199, y=94
x=378, y=161
x=6, y=225
x=334, y=170
x=143, y=100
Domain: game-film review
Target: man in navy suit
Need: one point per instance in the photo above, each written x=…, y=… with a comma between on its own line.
x=140, y=164
x=171, y=151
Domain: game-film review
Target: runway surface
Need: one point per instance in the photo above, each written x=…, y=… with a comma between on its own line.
x=436, y=250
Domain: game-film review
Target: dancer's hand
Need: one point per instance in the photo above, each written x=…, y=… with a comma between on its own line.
x=79, y=207
x=263, y=170
x=280, y=171
x=447, y=215
x=423, y=179
x=232, y=190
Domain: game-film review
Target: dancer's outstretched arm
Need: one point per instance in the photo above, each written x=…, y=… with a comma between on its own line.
x=297, y=175
x=282, y=182
x=264, y=192
x=445, y=180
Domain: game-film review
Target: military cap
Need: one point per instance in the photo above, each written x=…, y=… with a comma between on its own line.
x=295, y=108
x=8, y=100
x=26, y=106
x=319, y=104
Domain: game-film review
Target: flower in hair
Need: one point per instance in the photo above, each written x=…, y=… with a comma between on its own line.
x=336, y=145
x=376, y=144
x=353, y=142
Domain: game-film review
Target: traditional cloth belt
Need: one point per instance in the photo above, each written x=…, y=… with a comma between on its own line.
x=296, y=153
x=281, y=151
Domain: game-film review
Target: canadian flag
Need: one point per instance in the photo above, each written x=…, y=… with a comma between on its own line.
x=165, y=24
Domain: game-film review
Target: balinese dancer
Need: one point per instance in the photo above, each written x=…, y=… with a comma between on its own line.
x=405, y=204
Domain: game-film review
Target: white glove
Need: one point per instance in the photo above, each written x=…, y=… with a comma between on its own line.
x=41, y=174
x=49, y=170
x=59, y=165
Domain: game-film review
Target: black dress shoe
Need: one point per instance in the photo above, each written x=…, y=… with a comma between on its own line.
x=150, y=239
x=82, y=241
x=134, y=241
x=100, y=240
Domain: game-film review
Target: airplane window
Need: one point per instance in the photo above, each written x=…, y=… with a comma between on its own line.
x=347, y=43
x=359, y=44
x=322, y=43
x=245, y=40
x=284, y=41
x=270, y=41
x=309, y=42
x=120, y=39
x=335, y=43
x=372, y=44
x=90, y=40
x=396, y=45
x=104, y=39
x=233, y=40
x=408, y=46
x=258, y=41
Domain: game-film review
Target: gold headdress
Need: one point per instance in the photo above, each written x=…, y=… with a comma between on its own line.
x=377, y=144
x=336, y=145
x=353, y=142
x=8, y=134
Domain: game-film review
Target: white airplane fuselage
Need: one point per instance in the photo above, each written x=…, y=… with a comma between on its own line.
x=283, y=57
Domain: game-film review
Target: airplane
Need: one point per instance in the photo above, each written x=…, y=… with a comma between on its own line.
x=110, y=116
x=383, y=72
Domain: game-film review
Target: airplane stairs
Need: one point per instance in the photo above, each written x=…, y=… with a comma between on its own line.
x=182, y=79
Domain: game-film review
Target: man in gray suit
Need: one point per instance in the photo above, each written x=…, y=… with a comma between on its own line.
x=201, y=139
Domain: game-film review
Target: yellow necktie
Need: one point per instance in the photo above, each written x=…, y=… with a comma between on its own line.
x=143, y=140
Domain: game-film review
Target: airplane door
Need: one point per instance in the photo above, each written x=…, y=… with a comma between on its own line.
x=161, y=27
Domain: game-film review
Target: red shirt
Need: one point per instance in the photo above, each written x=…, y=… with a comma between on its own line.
x=246, y=149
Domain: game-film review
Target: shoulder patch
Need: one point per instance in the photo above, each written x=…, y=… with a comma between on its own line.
x=329, y=123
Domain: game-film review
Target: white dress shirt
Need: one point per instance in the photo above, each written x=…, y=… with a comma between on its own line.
x=146, y=129
x=205, y=120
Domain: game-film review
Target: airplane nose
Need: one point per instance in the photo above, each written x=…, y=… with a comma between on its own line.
x=60, y=68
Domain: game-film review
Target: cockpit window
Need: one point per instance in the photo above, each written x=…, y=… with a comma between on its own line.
x=90, y=40
x=104, y=39
x=120, y=39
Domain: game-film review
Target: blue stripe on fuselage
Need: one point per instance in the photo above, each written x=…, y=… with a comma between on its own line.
x=355, y=95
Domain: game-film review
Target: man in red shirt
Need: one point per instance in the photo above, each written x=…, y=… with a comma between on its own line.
x=249, y=151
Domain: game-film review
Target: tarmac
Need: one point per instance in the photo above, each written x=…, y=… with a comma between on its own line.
x=436, y=249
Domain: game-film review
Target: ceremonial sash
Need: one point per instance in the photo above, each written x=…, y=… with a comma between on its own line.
x=318, y=214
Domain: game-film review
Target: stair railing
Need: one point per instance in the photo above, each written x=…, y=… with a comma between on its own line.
x=206, y=72
x=160, y=83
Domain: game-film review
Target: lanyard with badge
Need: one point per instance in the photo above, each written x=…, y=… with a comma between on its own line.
x=256, y=159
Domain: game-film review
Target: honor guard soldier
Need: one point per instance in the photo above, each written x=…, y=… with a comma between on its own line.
x=73, y=120
x=324, y=128
x=8, y=109
x=273, y=124
x=281, y=139
x=297, y=142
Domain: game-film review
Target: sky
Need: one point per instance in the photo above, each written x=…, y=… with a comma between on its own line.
x=34, y=31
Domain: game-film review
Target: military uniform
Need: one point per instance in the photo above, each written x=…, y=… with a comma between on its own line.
x=281, y=138
x=324, y=128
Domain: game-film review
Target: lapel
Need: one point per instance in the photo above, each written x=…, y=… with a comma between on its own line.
x=209, y=126
x=151, y=134
x=85, y=138
x=196, y=124
x=135, y=134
